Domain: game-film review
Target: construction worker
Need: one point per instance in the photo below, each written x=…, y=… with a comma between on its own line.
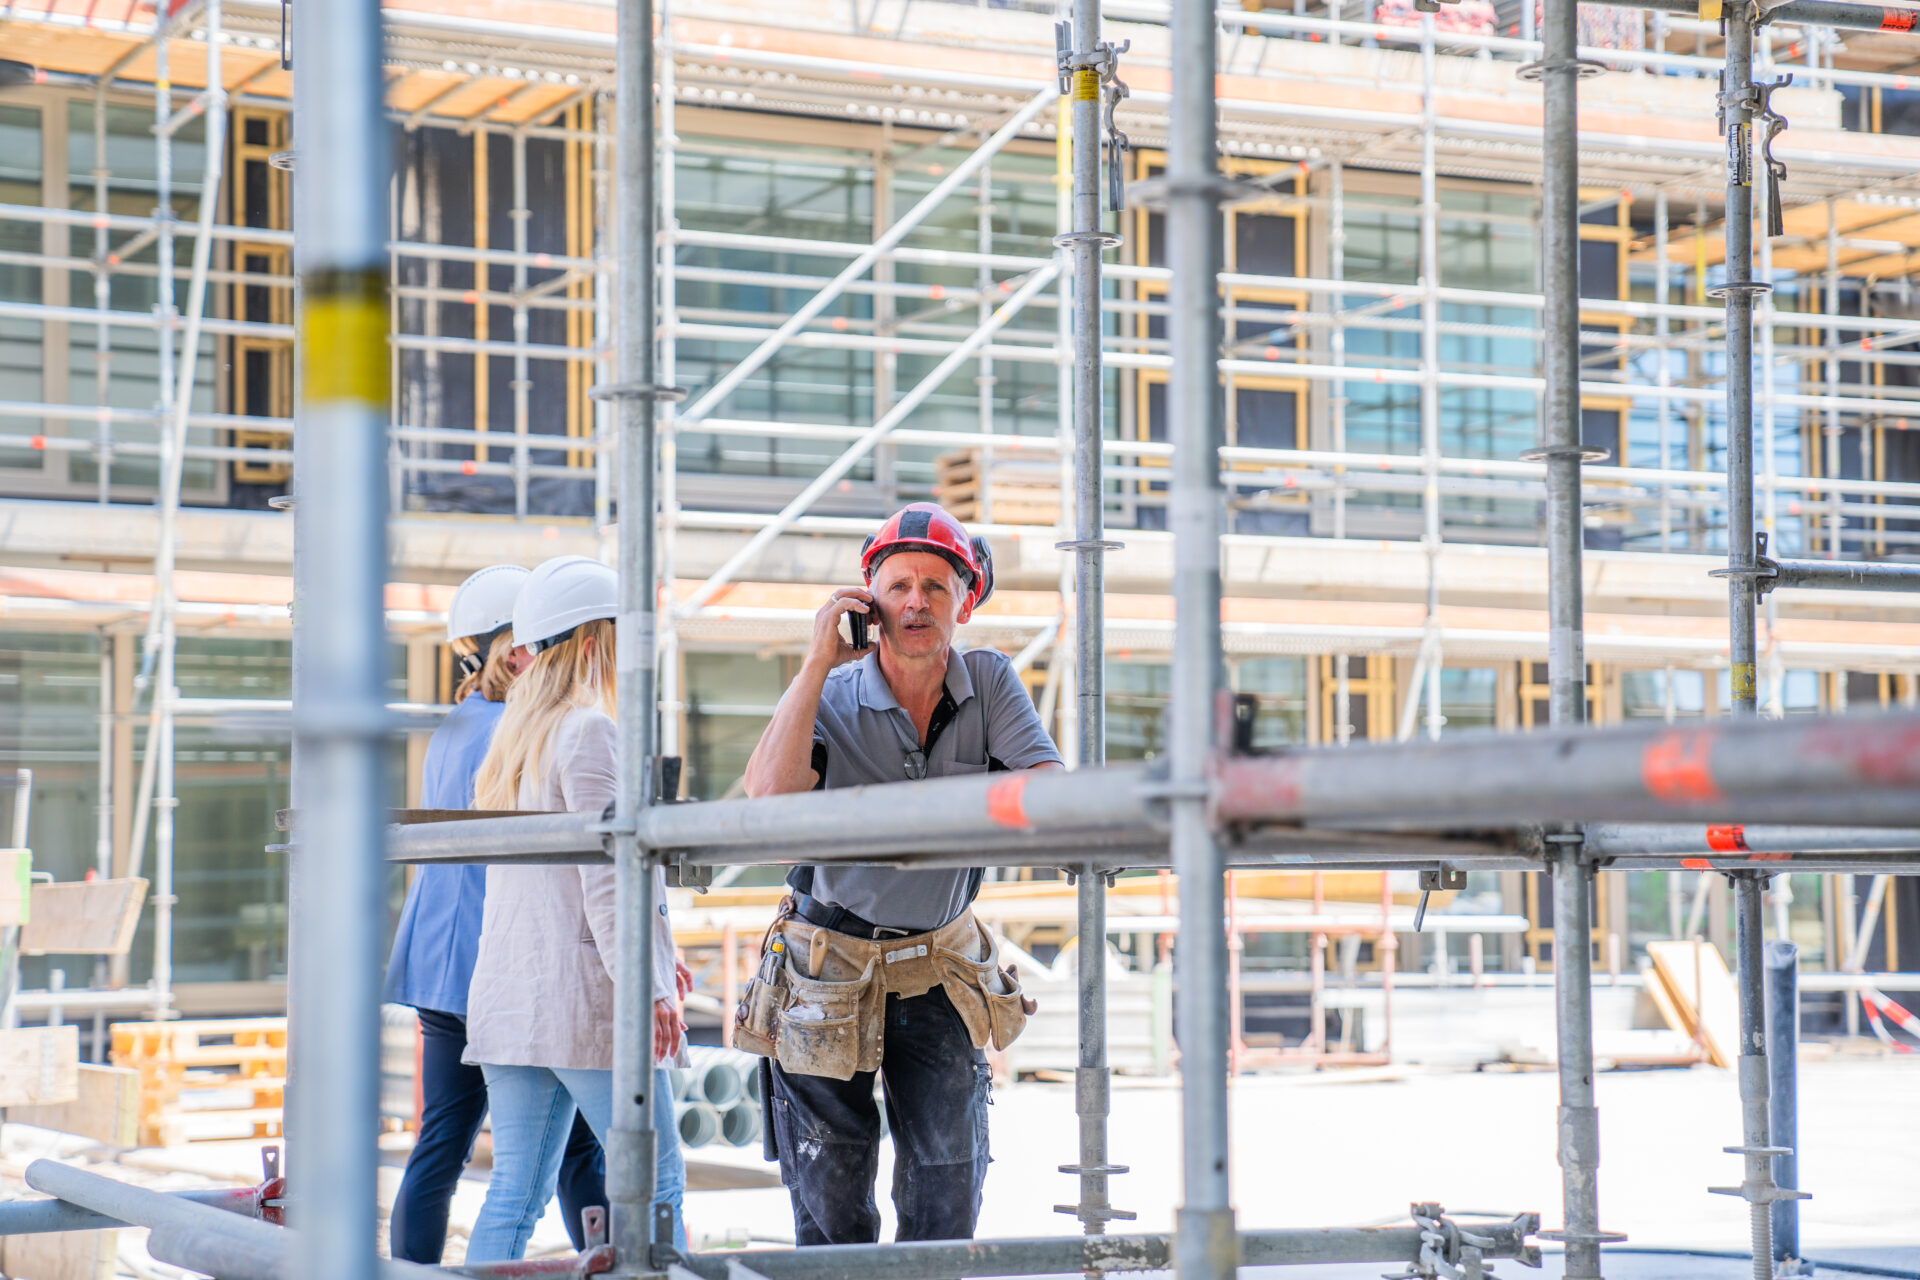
x=909, y=706
x=433, y=949
x=540, y=1009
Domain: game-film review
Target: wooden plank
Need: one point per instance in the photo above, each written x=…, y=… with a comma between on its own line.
x=61, y=1255
x=83, y=917
x=39, y=1065
x=16, y=869
x=106, y=1110
x=1661, y=997
x=1703, y=992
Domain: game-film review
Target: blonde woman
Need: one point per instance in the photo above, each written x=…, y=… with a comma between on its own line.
x=540, y=1009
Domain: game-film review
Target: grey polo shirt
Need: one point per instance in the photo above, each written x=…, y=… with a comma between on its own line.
x=866, y=736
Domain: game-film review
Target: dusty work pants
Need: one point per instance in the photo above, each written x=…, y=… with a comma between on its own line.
x=453, y=1101
x=533, y=1111
x=828, y=1133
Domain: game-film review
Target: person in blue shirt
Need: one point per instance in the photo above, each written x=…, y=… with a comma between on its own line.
x=439, y=936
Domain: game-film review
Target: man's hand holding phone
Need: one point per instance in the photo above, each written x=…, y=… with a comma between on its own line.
x=832, y=646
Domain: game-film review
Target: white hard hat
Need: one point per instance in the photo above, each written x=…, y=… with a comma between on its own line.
x=484, y=602
x=560, y=595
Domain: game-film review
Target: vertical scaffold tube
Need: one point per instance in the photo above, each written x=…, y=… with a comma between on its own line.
x=1783, y=1099
x=1205, y=1247
x=1739, y=291
x=1738, y=100
x=630, y=1145
x=1085, y=245
x=339, y=708
x=1749, y=939
x=1579, y=1119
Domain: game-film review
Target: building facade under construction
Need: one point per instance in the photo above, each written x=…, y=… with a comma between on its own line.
x=1382, y=571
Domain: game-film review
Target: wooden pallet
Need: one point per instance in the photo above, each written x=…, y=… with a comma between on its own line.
x=221, y=1078
x=1021, y=490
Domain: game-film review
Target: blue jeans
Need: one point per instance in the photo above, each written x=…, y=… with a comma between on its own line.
x=533, y=1110
x=453, y=1102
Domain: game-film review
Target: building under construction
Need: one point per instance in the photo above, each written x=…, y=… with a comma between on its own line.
x=1505, y=415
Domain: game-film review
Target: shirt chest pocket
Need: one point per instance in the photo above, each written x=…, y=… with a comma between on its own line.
x=963, y=747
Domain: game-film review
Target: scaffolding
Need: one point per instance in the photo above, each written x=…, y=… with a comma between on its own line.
x=1533, y=802
x=1689, y=502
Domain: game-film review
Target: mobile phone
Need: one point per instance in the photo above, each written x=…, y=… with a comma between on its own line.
x=857, y=628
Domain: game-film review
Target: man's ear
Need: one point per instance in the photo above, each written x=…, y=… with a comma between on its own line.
x=966, y=611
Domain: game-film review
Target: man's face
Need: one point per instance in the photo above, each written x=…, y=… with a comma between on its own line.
x=921, y=600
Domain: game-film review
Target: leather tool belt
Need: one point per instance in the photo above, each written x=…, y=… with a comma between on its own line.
x=817, y=1002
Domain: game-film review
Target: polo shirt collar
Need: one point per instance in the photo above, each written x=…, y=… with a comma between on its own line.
x=877, y=695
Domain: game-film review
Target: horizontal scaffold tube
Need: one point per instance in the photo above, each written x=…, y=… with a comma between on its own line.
x=952, y=1260
x=1857, y=770
x=1631, y=839
x=190, y=1234
x=36, y=1217
x=1844, y=575
x=1838, y=13
x=1775, y=864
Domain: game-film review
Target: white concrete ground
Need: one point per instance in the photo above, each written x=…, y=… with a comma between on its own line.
x=1312, y=1151
x=1337, y=1149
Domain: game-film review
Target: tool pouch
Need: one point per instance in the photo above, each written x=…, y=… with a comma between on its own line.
x=754, y=1019
x=986, y=995
x=816, y=1004
x=818, y=1032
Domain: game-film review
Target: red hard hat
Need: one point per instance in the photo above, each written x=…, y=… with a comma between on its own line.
x=926, y=526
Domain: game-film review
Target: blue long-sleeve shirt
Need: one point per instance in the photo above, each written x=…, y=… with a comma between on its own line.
x=439, y=933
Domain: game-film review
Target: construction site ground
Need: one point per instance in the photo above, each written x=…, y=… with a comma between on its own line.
x=1333, y=1148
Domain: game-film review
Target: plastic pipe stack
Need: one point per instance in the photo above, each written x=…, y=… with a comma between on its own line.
x=717, y=1098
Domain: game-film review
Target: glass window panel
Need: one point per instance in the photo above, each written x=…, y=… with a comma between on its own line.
x=1644, y=695
x=1263, y=244
x=1281, y=686
x=133, y=359
x=730, y=698
x=20, y=339
x=1468, y=698
x=1137, y=695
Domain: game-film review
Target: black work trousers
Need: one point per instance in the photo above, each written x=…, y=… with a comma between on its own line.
x=937, y=1089
x=453, y=1102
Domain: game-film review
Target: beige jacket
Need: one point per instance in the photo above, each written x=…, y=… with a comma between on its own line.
x=542, y=993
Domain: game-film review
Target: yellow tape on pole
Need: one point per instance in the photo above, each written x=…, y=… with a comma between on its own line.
x=1709, y=10
x=1086, y=85
x=343, y=339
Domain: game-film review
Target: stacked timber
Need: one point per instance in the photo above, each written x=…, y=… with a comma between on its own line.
x=220, y=1078
x=1010, y=488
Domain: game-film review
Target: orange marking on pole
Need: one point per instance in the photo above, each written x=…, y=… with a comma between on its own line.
x=1696, y=864
x=1726, y=839
x=1676, y=767
x=1896, y=20
x=1005, y=801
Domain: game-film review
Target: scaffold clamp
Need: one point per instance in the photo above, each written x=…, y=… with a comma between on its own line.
x=1776, y=169
x=637, y=391
x=1450, y=1251
x=1583, y=68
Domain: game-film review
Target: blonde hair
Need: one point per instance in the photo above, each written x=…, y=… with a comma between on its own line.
x=570, y=675
x=495, y=678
